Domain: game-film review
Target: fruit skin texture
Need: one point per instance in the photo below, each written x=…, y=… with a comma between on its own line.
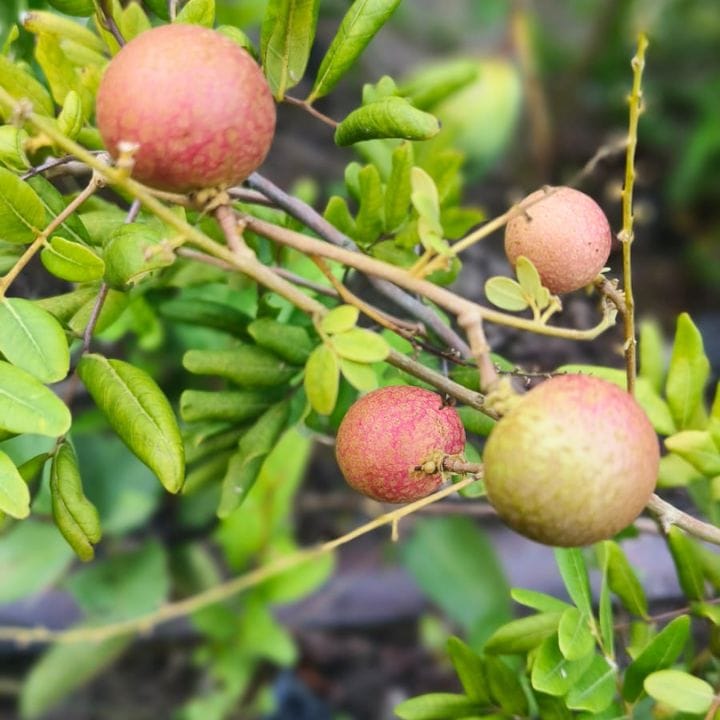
x=387, y=433
x=196, y=103
x=574, y=462
x=566, y=235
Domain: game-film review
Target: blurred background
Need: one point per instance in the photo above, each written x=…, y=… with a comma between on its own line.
x=550, y=97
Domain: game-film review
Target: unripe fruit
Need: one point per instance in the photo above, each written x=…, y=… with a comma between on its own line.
x=573, y=462
x=195, y=103
x=565, y=234
x=388, y=433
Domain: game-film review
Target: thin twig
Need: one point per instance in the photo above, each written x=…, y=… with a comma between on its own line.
x=668, y=515
x=108, y=22
x=310, y=109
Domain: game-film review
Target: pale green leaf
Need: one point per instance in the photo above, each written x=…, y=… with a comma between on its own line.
x=470, y=670
x=72, y=227
x=340, y=319
x=399, y=187
x=369, y=220
x=698, y=448
x=623, y=581
x=322, y=379
x=23, y=86
x=505, y=293
x=573, y=569
x=538, y=600
x=140, y=414
x=22, y=215
x=529, y=280
x=688, y=566
x=552, y=673
x=430, y=85
x=520, y=636
x=360, y=345
x=651, y=355
x=71, y=261
x=680, y=690
x=12, y=148
x=14, y=493
x=197, y=12
x=595, y=689
x=360, y=375
x=575, y=636
x=438, y=706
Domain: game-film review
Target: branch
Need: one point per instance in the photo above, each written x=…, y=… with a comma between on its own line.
x=307, y=107
x=668, y=515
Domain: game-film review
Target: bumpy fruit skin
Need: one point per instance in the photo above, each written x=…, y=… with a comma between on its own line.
x=195, y=102
x=389, y=432
x=574, y=462
x=566, y=235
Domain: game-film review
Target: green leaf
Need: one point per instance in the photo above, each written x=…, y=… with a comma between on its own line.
x=651, y=355
x=425, y=199
x=60, y=72
x=123, y=586
x=529, y=280
x=662, y=651
x=575, y=636
x=698, y=448
x=572, y=566
x=72, y=227
x=253, y=447
x=687, y=564
x=369, y=221
x=233, y=406
x=288, y=31
x=75, y=516
x=448, y=557
x=398, y=188
x=27, y=406
x=244, y=365
x=262, y=636
x=71, y=261
x=475, y=421
x=32, y=338
x=360, y=24
x=520, y=636
x=22, y=215
x=605, y=612
x=688, y=373
x=438, y=706
x=595, y=689
x=505, y=293
x=12, y=148
x=552, y=673
x=431, y=85
x=133, y=251
x=140, y=414
x=22, y=85
x=33, y=556
x=470, y=669
x=115, y=304
x=360, y=375
x=390, y=117
x=322, y=379
x=505, y=687
x=62, y=669
x=14, y=493
x=538, y=600
x=360, y=345
x=623, y=581
x=290, y=342
x=207, y=313
x=197, y=12
x=338, y=213
x=340, y=319
x=39, y=21
x=680, y=690
x=71, y=119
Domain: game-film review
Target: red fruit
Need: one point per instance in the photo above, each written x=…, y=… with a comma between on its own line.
x=388, y=433
x=564, y=233
x=194, y=101
x=574, y=462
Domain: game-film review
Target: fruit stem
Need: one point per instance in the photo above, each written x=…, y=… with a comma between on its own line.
x=626, y=235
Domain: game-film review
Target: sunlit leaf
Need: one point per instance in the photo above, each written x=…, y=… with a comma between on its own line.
x=680, y=690
x=322, y=379
x=22, y=215
x=14, y=493
x=505, y=293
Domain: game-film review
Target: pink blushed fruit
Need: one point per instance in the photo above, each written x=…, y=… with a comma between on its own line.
x=388, y=433
x=572, y=463
x=194, y=102
x=565, y=234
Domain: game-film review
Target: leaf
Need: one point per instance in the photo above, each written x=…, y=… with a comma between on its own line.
x=687, y=564
x=132, y=252
x=698, y=448
x=505, y=293
x=661, y=652
x=475, y=421
x=233, y=406
x=22, y=215
x=71, y=119
x=431, y=85
x=575, y=636
x=60, y=72
x=140, y=414
x=369, y=221
x=72, y=227
x=360, y=24
x=470, y=669
x=520, y=636
x=360, y=375
x=14, y=493
x=261, y=636
x=206, y=313
x=390, y=117
x=680, y=690
x=623, y=581
x=22, y=85
x=33, y=557
x=27, y=406
x=322, y=379
x=338, y=214
x=340, y=319
x=572, y=566
x=360, y=345
x=505, y=687
x=290, y=342
x=71, y=261
x=62, y=669
x=424, y=197
x=529, y=280
x=438, y=706
x=75, y=516
x=12, y=148
x=244, y=365
x=605, y=613
x=595, y=689
x=552, y=673
x=398, y=188
x=448, y=557
x=32, y=339
x=651, y=354
x=197, y=12
x=688, y=372
x=538, y=600
x=288, y=31
x=253, y=447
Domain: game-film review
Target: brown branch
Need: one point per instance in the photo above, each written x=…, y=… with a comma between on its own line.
x=307, y=107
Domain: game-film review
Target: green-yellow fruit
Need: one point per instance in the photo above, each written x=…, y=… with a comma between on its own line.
x=574, y=462
x=565, y=234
